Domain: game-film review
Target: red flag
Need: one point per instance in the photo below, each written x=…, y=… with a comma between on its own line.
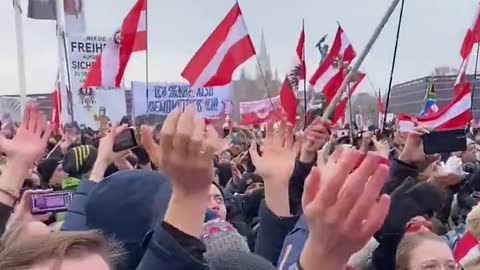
x=56, y=108
x=228, y=47
x=471, y=37
x=467, y=244
x=330, y=74
x=109, y=66
x=260, y=111
x=457, y=114
x=339, y=116
x=297, y=73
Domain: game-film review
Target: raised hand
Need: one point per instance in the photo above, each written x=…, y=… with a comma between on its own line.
x=343, y=208
x=185, y=153
x=187, y=149
x=276, y=165
x=29, y=143
x=279, y=153
x=382, y=147
x=106, y=156
x=315, y=137
x=22, y=211
x=412, y=152
x=105, y=148
x=366, y=140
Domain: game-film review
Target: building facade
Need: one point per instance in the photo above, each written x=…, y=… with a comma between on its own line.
x=409, y=97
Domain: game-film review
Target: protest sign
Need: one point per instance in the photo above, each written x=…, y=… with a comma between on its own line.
x=88, y=103
x=260, y=111
x=162, y=98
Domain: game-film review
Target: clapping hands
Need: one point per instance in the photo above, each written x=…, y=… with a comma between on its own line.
x=29, y=143
x=186, y=150
x=343, y=208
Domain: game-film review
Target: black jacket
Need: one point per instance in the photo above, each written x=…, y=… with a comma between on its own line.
x=272, y=233
x=409, y=200
x=5, y=212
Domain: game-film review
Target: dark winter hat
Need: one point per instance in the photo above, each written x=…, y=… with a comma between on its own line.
x=239, y=260
x=79, y=160
x=128, y=204
x=46, y=168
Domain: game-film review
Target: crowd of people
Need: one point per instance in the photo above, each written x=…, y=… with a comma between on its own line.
x=195, y=196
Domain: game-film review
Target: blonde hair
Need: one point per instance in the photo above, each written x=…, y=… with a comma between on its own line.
x=409, y=243
x=18, y=252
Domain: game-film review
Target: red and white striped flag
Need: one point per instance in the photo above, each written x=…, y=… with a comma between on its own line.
x=455, y=115
x=297, y=73
x=330, y=74
x=472, y=37
x=228, y=47
x=339, y=116
x=260, y=111
x=109, y=66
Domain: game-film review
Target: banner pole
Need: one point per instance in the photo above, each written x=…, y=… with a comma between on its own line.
x=62, y=52
x=331, y=107
x=394, y=60
x=22, y=80
x=474, y=84
x=305, y=104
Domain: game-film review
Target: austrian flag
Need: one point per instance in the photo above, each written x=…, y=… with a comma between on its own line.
x=471, y=38
x=109, y=67
x=457, y=114
x=228, y=47
x=330, y=74
x=290, y=84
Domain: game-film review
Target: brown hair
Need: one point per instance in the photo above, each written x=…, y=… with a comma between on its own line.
x=409, y=242
x=18, y=252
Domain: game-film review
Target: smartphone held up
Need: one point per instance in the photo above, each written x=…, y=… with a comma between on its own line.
x=125, y=140
x=447, y=141
x=52, y=202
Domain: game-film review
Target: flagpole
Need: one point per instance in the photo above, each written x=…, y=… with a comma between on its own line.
x=22, y=80
x=394, y=60
x=305, y=80
x=146, y=59
x=350, y=110
x=62, y=54
x=475, y=79
x=331, y=107
x=262, y=74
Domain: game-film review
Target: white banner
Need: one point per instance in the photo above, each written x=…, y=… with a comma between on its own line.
x=88, y=104
x=162, y=98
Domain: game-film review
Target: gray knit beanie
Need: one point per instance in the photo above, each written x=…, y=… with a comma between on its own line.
x=239, y=260
x=220, y=236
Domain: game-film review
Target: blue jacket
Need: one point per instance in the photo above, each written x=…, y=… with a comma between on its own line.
x=75, y=218
x=293, y=245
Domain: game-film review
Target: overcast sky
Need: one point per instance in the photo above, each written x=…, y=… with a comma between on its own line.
x=432, y=34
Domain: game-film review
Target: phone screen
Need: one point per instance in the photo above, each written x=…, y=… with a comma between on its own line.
x=50, y=201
